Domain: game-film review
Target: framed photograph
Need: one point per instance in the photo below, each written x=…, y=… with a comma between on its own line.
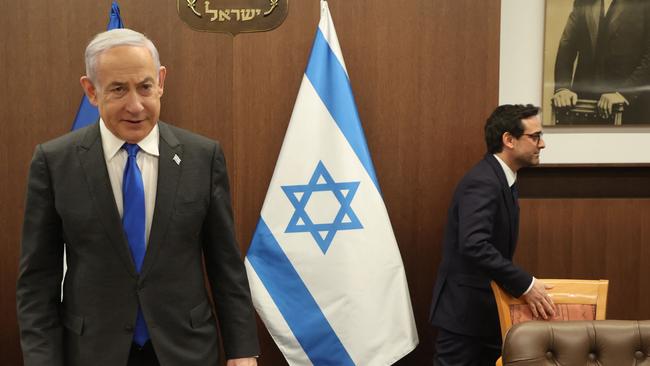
x=596, y=63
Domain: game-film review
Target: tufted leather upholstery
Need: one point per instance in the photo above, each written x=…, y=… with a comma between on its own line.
x=573, y=343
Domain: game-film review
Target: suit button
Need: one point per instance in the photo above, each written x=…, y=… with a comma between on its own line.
x=128, y=328
x=638, y=355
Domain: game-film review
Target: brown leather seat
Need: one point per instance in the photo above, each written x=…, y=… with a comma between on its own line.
x=573, y=343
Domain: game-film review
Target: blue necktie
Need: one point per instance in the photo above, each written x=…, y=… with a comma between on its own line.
x=133, y=222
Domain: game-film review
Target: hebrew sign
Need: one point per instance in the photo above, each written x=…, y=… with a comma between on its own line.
x=233, y=16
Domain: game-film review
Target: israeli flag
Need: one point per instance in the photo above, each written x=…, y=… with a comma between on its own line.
x=324, y=268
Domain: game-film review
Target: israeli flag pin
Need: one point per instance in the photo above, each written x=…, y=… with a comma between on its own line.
x=177, y=159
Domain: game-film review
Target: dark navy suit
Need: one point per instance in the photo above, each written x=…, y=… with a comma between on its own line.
x=479, y=243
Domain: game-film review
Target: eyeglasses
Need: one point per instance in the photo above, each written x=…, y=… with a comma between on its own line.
x=536, y=137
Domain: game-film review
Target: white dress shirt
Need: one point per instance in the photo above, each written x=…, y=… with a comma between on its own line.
x=607, y=4
x=511, y=177
x=147, y=161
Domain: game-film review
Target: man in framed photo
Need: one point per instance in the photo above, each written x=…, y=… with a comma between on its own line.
x=604, y=55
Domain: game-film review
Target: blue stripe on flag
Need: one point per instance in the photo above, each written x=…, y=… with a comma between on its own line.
x=295, y=302
x=332, y=84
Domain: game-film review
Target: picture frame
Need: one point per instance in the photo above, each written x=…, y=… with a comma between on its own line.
x=596, y=66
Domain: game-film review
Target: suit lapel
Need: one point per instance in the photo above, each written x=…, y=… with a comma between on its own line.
x=614, y=14
x=91, y=156
x=511, y=205
x=169, y=173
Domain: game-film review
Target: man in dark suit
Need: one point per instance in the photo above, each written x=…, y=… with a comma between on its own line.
x=138, y=204
x=611, y=41
x=480, y=240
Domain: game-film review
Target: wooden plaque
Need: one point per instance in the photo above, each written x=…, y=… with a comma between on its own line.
x=233, y=16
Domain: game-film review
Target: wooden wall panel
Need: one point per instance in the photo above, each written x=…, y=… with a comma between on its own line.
x=590, y=181
x=591, y=239
x=8, y=233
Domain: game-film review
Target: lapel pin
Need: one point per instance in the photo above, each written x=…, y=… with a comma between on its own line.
x=177, y=159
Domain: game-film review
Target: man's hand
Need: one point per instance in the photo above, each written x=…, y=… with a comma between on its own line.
x=564, y=98
x=250, y=361
x=539, y=301
x=608, y=100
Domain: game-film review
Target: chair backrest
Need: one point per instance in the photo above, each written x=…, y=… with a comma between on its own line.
x=586, y=111
x=574, y=300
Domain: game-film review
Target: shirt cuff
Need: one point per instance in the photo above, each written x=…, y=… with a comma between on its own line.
x=530, y=286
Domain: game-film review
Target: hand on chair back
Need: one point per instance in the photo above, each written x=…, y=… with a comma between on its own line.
x=539, y=301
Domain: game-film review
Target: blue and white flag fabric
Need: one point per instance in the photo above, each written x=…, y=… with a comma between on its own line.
x=87, y=113
x=324, y=268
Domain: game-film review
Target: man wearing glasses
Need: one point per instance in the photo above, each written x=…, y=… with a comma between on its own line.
x=479, y=244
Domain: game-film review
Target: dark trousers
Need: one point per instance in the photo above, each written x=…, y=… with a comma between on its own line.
x=460, y=350
x=145, y=356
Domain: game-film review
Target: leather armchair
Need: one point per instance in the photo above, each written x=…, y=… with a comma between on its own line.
x=572, y=343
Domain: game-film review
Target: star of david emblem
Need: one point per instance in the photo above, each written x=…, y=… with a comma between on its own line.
x=324, y=191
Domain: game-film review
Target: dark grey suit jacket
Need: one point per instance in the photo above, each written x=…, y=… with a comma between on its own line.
x=620, y=62
x=480, y=240
x=70, y=200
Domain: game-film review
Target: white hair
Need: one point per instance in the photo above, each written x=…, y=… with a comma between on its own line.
x=115, y=38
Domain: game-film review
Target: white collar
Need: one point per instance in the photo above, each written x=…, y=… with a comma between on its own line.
x=112, y=144
x=511, y=176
